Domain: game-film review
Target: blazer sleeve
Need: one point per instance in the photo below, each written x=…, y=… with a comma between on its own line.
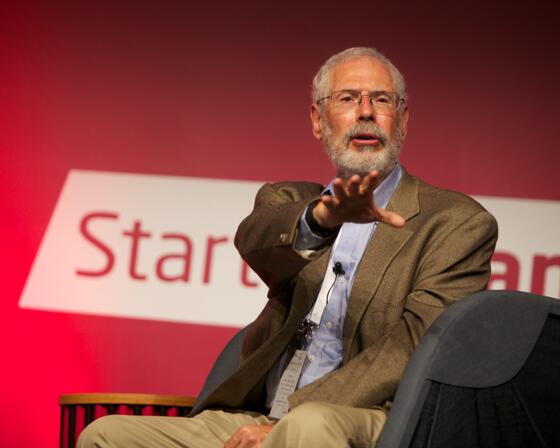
x=266, y=237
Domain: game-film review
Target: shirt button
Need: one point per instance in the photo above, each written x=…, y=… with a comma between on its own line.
x=329, y=324
x=311, y=357
x=283, y=237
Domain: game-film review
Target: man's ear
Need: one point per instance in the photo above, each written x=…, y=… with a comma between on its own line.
x=404, y=122
x=316, y=117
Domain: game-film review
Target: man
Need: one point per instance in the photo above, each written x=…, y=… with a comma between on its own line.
x=356, y=274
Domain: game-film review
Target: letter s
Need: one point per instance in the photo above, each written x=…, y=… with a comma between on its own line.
x=97, y=243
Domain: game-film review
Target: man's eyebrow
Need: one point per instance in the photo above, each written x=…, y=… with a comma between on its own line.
x=364, y=90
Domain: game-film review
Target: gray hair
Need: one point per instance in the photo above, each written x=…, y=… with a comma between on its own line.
x=321, y=81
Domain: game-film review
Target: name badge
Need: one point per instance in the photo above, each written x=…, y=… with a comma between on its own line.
x=288, y=383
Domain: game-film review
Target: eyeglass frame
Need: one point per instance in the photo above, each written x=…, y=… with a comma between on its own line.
x=398, y=99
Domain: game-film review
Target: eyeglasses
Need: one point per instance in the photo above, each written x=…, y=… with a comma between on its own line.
x=382, y=102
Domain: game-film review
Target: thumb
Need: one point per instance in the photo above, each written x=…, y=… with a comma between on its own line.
x=391, y=218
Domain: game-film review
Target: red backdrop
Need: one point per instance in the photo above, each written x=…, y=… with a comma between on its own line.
x=222, y=91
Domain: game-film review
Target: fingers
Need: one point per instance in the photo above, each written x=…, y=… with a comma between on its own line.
x=347, y=188
x=353, y=186
x=353, y=201
x=233, y=441
x=248, y=436
x=339, y=187
x=390, y=218
x=330, y=201
x=369, y=182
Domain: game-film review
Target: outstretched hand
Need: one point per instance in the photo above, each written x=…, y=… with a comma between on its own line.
x=353, y=201
x=249, y=436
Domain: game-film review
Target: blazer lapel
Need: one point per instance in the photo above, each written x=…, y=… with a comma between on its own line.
x=385, y=244
x=310, y=280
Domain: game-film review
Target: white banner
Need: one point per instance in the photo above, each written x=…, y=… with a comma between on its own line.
x=145, y=246
x=527, y=255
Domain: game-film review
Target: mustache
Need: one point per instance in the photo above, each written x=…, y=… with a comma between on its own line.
x=366, y=128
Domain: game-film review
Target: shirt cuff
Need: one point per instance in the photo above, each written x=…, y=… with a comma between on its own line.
x=308, y=239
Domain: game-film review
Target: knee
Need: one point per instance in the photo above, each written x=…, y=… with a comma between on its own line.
x=311, y=416
x=96, y=434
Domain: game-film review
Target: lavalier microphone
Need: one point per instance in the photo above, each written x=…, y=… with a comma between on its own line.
x=337, y=268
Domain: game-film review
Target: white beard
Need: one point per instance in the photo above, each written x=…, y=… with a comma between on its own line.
x=347, y=162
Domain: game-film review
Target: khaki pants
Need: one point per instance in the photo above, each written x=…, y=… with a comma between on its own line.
x=312, y=424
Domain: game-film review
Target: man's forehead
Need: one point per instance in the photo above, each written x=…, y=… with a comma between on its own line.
x=361, y=71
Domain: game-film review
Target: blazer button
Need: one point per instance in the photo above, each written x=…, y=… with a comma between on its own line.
x=283, y=237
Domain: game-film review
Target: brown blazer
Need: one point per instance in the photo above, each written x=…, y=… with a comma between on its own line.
x=406, y=278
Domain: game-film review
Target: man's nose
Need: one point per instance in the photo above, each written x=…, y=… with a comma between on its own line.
x=365, y=108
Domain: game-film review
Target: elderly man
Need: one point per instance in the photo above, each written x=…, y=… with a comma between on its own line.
x=356, y=271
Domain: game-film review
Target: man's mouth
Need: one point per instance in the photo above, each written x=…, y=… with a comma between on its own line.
x=366, y=138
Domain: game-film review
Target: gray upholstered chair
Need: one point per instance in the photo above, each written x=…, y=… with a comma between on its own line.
x=485, y=374
x=225, y=364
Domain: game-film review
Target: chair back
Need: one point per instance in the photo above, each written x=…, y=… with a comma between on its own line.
x=225, y=364
x=485, y=374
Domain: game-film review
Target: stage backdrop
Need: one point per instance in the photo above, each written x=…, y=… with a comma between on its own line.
x=134, y=137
